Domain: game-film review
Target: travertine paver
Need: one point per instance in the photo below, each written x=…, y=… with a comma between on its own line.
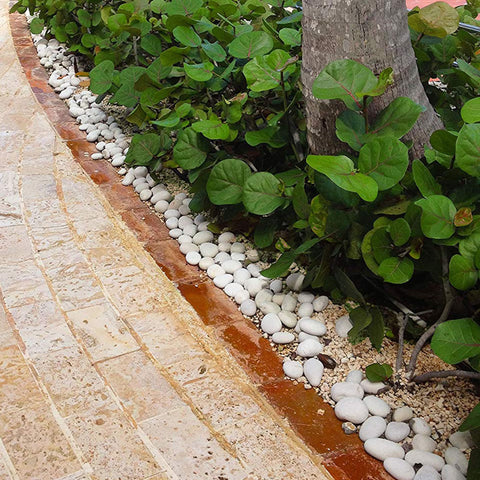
x=106, y=372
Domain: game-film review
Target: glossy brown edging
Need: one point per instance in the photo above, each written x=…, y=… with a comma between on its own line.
x=311, y=418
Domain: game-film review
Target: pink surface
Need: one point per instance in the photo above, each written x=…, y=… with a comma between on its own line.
x=423, y=3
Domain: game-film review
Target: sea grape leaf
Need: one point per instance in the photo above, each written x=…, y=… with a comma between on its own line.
x=251, y=44
x=190, y=150
x=226, y=182
x=438, y=213
x=462, y=272
x=467, y=153
x=396, y=270
x=262, y=194
x=424, y=180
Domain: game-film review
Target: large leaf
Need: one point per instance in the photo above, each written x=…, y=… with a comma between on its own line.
x=101, y=77
x=456, y=340
x=396, y=270
x=200, y=72
x=385, y=160
x=318, y=216
x=251, y=44
x=187, y=36
x=143, y=148
x=462, y=272
x=378, y=372
x=351, y=129
x=265, y=232
x=183, y=7
x=424, y=180
x=344, y=80
x=397, y=118
x=470, y=246
x=361, y=319
x=341, y=171
x=400, y=231
x=348, y=287
x=467, y=154
x=300, y=200
x=214, y=51
x=151, y=44
x=437, y=20
x=226, y=182
x=189, y=151
x=471, y=422
x=438, y=213
x=269, y=135
x=261, y=193
x=290, y=36
x=376, y=330
x=471, y=111
x=444, y=142
x=212, y=129
x=37, y=25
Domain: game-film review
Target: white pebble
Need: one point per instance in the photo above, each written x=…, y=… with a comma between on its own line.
x=419, y=425
x=193, y=258
x=355, y=376
x=206, y=262
x=271, y=324
x=237, y=247
x=188, y=247
x=295, y=281
x=309, y=348
x=292, y=369
x=305, y=297
x=372, y=387
x=221, y=281
x=399, y=468
x=352, y=410
x=241, y=296
x=171, y=213
x=172, y=222
x=381, y=448
x=373, y=427
x=241, y=276
x=226, y=237
x=289, y=319
x=343, y=325
x=376, y=406
x=312, y=326
x=313, y=371
x=231, y=266
x=203, y=237
x=396, y=431
x=289, y=303
x=215, y=271
x=209, y=249
x=144, y=194
x=305, y=310
x=161, y=206
x=346, y=389
x=248, y=308
x=276, y=286
x=175, y=233
x=232, y=289
x=283, y=337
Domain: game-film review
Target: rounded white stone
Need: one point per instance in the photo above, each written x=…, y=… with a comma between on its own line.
x=161, y=195
x=295, y=281
x=184, y=209
x=309, y=348
x=346, y=389
x=461, y=440
x=226, y=237
x=118, y=161
x=254, y=285
x=221, y=257
x=240, y=257
x=292, y=369
x=276, y=286
x=188, y=247
x=414, y=457
x=206, y=262
x=193, y=258
x=209, y=249
x=140, y=172
x=252, y=255
x=343, y=325
x=283, y=337
x=289, y=303
x=203, y=237
x=382, y=449
x=419, y=425
x=254, y=269
x=372, y=387
x=231, y=266
x=185, y=220
x=352, y=409
x=190, y=229
x=372, y=427
x=305, y=297
x=241, y=296
x=303, y=336
x=377, y=406
x=141, y=186
x=232, y=289
x=241, y=275
x=248, y=308
x=221, y=281
x=397, y=431
x=403, y=414
x=305, y=310
x=312, y=326
x=455, y=457
x=263, y=296
x=184, y=239
x=278, y=298
x=215, y=270
x=93, y=136
x=289, y=319
x=427, y=473
x=175, y=233
x=399, y=468
x=269, y=307
x=171, y=213
x=98, y=156
x=313, y=371
x=161, y=206
x=224, y=246
x=237, y=247
x=449, y=472
x=424, y=442
x=271, y=324
x=172, y=222
x=355, y=376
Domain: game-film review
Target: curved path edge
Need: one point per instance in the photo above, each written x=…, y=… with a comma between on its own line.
x=309, y=416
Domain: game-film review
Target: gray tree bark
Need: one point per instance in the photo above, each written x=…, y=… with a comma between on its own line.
x=372, y=32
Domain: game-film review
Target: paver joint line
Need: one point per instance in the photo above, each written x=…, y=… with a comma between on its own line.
x=110, y=341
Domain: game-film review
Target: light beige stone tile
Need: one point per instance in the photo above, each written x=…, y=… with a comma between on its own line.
x=38, y=187
x=80, y=199
x=80, y=475
x=23, y=283
x=4, y=473
x=10, y=208
x=102, y=332
x=15, y=244
x=36, y=445
x=37, y=164
x=4, y=325
x=264, y=446
x=45, y=213
x=111, y=446
x=143, y=391
x=110, y=256
x=189, y=447
x=72, y=381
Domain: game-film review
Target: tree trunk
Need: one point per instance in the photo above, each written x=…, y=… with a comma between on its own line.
x=372, y=32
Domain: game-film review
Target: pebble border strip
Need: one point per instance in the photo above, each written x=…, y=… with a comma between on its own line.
x=236, y=271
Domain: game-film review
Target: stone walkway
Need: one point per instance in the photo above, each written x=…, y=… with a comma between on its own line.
x=106, y=372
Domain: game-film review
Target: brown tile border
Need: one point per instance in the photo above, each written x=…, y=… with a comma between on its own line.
x=311, y=418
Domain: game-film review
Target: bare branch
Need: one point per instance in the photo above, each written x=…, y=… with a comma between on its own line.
x=447, y=290
x=401, y=338
x=425, y=377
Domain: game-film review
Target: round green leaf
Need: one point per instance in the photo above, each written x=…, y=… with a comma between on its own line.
x=471, y=111
x=456, y=340
x=143, y=148
x=37, y=25
x=381, y=245
x=341, y=171
x=182, y=7
x=437, y=20
x=261, y=193
x=470, y=245
x=269, y=135
x=187, y=36
x=400, y=231
x=424, y=180
x=396, y=270
x=151, y=44
x=226, y=182
x=290, y=36
x=84, y=18
x=101, y=77
x=378, y=372
x=343, y=80
x=467, y=154
x=462, y=273
x=214, y=51
x=385, y=160
x=189, y=151
x=200, y=72
x=438, y=213
x=212, y=129
x=251, y=44
x=71, y=28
